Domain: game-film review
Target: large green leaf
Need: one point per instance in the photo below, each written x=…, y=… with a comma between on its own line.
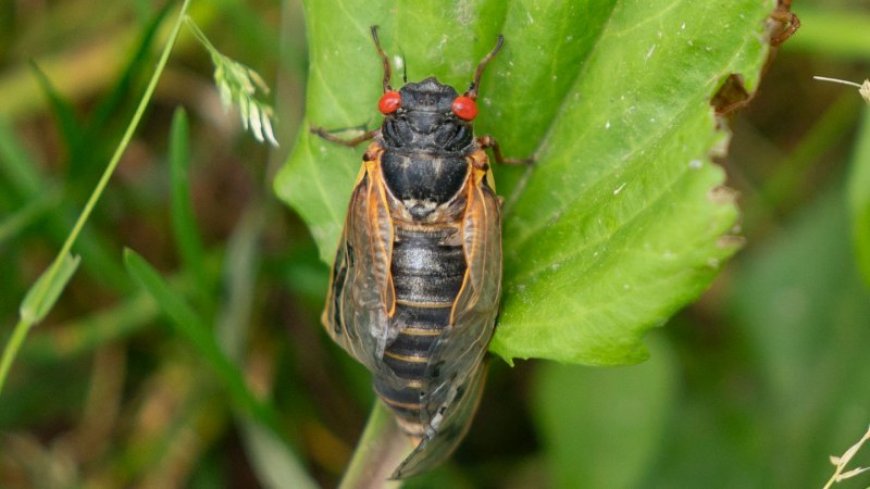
x=620, y=222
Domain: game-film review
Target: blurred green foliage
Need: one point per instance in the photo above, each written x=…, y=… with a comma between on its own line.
x=859, y=196
x=206, y=365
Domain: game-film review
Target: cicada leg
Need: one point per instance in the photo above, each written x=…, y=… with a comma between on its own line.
x=323, y=133
x=489, y=142
x=369, y=134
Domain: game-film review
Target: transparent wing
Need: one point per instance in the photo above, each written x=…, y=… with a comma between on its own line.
x=361, y=293
x=456, y=370
x=433, y=450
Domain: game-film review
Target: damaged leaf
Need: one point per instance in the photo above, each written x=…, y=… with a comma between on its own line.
x=618, y=223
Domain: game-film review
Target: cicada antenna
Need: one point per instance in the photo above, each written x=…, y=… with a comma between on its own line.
x=472, y=90
x=383, y=55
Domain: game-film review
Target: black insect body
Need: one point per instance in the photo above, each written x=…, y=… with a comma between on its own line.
x=415, y=287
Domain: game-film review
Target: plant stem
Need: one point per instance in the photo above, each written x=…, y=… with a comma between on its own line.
x=380, y=450
x=23, y=327
x=12, y=347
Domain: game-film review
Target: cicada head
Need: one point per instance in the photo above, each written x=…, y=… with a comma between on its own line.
x=429, y=115
x=428, y=96
x=424, y=118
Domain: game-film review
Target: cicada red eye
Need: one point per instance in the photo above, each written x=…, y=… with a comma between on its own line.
x=465, y=108
x=390, y=102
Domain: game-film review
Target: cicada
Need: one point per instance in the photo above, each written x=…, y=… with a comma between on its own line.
x=415, y=287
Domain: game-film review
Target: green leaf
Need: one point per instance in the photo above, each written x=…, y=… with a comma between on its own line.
x=47, y=288
x=621, y=220
x=859, y=197
x=602, y=427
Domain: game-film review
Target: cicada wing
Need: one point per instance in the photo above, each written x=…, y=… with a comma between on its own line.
x=361, y=293
x=456, y=370
x=433, y=450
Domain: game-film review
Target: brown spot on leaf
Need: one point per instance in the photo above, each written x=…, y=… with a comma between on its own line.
x=723, y=195
x=729, y=241
x=732, y=95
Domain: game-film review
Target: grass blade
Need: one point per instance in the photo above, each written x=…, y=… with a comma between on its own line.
x=274, y=464
x=15, y=163
x=183, y=219
x=137, y=64
x=70, y=129
x=859, y=197
x=25, y=216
